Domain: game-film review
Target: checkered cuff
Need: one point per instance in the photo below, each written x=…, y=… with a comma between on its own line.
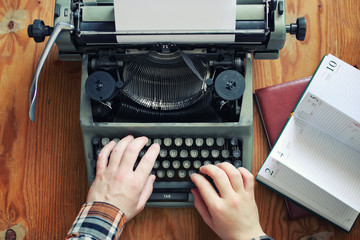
x=98, y=220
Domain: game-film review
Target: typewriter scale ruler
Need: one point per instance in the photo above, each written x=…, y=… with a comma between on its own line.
x=230, y=85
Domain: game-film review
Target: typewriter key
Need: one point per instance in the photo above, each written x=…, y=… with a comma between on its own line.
x=105, y=141
x=220, y=142
x=176, y=164
x=178, y=142
x=194, y=153
x=163, y=153
x=210, y=142
x=189, y=142
x=199, y=142
x=167, y=142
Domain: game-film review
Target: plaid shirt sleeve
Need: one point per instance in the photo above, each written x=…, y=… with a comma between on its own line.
x=97, y=220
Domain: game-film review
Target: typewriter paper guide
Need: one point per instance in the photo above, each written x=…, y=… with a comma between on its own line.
x=186, y=15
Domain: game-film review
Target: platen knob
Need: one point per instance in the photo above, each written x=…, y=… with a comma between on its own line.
x=39, y=31
x=298, y=28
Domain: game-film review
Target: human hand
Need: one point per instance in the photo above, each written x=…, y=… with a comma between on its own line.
x=117, y=183
x=233, y=214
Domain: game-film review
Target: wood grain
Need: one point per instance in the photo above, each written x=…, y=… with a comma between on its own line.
x=42, y=169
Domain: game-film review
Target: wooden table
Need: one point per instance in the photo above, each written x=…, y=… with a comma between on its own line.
x=43, y=180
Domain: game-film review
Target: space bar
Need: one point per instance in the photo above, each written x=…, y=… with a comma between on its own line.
x=172, y=185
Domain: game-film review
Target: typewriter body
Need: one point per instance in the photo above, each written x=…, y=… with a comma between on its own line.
x=194, y=98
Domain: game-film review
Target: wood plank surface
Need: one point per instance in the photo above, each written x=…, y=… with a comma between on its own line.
x=43, y=179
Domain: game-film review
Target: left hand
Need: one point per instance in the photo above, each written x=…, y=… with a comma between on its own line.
x=117, y=183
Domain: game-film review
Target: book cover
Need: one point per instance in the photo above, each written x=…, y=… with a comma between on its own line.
x=275, y=104
x=321, y=140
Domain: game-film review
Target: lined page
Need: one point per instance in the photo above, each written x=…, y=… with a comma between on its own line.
x=174, y=15
x=315, y=111
x=338, y=84
x=328, y=163
x=301, y=190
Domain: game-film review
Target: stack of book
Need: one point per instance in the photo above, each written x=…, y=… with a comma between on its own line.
x=316, y=159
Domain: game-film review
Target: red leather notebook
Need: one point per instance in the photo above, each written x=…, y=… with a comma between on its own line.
x=275, y=104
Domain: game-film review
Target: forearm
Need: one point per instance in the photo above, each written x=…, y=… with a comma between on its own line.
x=97, y=220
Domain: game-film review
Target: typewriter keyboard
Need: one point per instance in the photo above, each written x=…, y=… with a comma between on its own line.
x=179, y=158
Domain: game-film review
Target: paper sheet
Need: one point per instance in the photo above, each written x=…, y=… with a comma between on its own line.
x=171, y=15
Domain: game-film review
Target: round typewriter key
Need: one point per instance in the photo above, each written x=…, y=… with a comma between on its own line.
x=163, y=153
x=199, y=142
x=184, y=154
x=191, y=172
x=210, y=142
x=149, y=142
x=173, y=153
x=105, y=141
x=205, y=153
x=158, y=141
x=238, y=163
x=234, y=142
x=176, y=164
x=186, y=164
x=230, y=85
x=215, y=153
x=170, y=173
x=197, y=164
x=116, y=140
x=156, y=164
x=167, y=142
x=220, y=142
x=207, y=162
x=178, y=142
x=236, y=153
x=160, y=173
x=95, y=141
x=166, y=164
x=189, y=142
x=194, y=153
x=225, y=153
x=182, y=173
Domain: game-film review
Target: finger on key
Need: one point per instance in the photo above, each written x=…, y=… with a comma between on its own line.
x=233, y=174
x=219, y=177
x=132, y=152
x=118, y=151
x=103, y=157
x=207, y=191
x=147, y=162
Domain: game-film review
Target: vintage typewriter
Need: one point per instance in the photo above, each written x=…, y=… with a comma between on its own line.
x=188, y=90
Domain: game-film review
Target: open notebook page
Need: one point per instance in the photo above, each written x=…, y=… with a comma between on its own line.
x=328, y=163
x=338, y=84
x=279, y=177
x=313, y=110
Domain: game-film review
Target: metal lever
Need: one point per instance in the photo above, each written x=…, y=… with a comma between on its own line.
x=33, y=89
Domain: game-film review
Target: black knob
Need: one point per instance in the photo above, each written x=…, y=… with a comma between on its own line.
x=298, y=28
x=39, y=31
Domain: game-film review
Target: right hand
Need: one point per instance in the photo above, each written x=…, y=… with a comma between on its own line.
x=232, y=214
